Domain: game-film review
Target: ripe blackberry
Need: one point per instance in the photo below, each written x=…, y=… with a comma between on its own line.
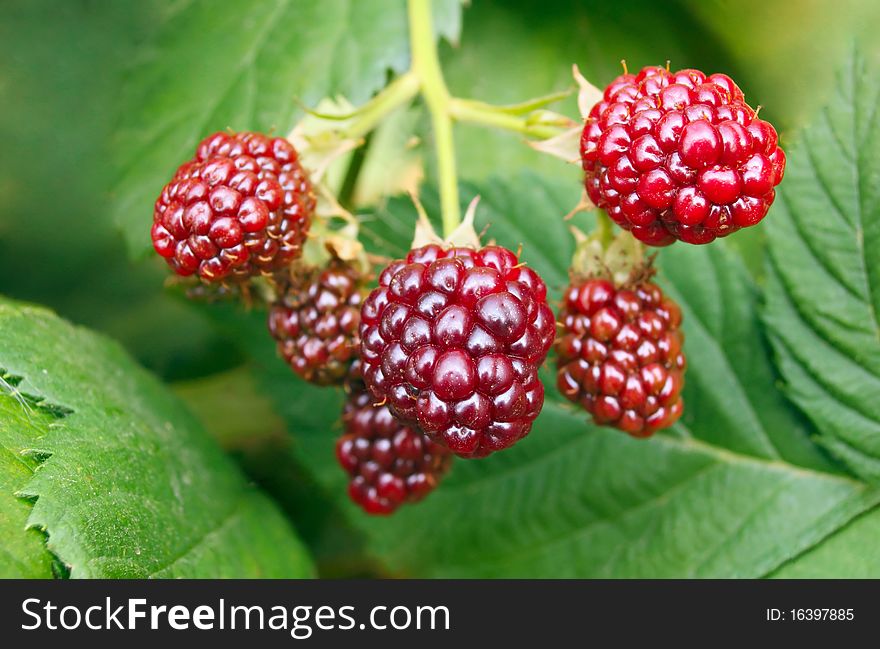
x=452, y=339
x=388, y=462
x=619, y=355
x=315, y=322
x=679, y=155
x=242, y=206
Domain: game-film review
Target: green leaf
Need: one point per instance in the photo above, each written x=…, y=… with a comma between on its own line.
x=735, y=490
x=129, y=484
x=446, y=15
x=851, y=553
x=244, y=67
x=23, y=551
x=823, y=293
x=58, y=94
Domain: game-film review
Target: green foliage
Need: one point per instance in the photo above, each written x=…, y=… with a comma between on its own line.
x=23, y=552
x=771, y=472
x=774, y=71
x=253, y=82
x=129, y=484
x=850, y=553
x=823, y=296
x=736, y=490
x=526, y=49
x=59, y=89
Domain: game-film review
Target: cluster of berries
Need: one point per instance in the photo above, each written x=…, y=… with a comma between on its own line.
x=441, y=359
x=620, y=355
x=242, y=206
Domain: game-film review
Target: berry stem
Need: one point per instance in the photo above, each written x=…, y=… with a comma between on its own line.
x=352, y=174
x=393, y=96
x=426, y=66
x=604, y=228
x=465, y=110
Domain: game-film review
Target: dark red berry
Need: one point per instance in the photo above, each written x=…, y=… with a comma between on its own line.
x=389, y=463
x=452, y=340
x=679, y=155
x=315, y=322
x=242, y=206
x=619, y=355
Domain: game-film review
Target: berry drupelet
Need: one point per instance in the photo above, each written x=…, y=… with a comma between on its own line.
x=679, y=155
x=452, y=340
x=242, y=206
x=619, y=355
x=315, y=322
x=388, y=462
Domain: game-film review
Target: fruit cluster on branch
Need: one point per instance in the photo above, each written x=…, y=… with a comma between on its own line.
x=441, y=358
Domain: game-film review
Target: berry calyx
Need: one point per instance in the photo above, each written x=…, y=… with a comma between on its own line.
x=679, y=155
x=452, y=340
x=241, y=207
x=315, y=322
x=620, y=355
x=388, y=462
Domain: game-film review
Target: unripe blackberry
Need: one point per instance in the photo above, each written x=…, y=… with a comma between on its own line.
x=619, y=355
x=679, y=155
x=242, y=206
x=315, y=322
x=452, y=340
x=388, y=462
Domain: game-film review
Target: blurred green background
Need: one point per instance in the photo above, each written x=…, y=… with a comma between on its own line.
x=62, y=64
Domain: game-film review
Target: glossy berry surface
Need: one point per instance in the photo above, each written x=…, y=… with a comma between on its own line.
x=242, y=206
x=315, y=322
x=619, y=355
x=452, y=339
x=388, y=462
x=679, y=155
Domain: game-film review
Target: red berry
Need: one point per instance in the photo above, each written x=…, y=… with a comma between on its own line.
x=679, y=155
x=389, y=463
x=315, y=322
x=452, y=340
x=242, y=206
x=619, y=355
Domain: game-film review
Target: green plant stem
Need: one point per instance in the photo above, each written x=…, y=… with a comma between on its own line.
x=401, y=90
x=349, y=183
x=478, y=113
x=426, y=65
x=425, y=77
